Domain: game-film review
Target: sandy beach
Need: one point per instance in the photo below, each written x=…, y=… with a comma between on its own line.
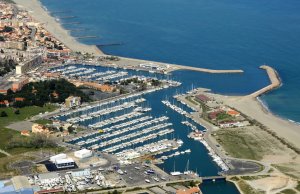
x=34, y=7
x=252, y=107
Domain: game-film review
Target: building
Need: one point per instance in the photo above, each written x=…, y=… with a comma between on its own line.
x=25, y=132
x=4, y=86
x=4, y=103
x=193, y=190
x=13, y=45
x=23, y=67
x=18, y=85
x=202, y=98
x=233, y=113
x=64, y=163
x=72, y=101
x=58, y=156
x=38, y=128
x=84, y=153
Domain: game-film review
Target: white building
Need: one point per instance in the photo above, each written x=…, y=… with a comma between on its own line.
x=64, y=163
x=84, y=153
x=59, y=156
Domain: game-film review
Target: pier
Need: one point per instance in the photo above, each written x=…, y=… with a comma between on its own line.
x=274, y=79
x=110, y=44
x=134, y=64
x=67, y=17
x=84, y=37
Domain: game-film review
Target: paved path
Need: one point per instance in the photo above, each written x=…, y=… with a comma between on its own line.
x=4, y=152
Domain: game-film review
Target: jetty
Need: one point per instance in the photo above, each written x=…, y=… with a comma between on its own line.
x=85, y=37
x=110, y=44
x=134, y=63
x=67, y=17
x=274, y=79
x=183, y=67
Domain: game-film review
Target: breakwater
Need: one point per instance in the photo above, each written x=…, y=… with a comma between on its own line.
x=274, y=79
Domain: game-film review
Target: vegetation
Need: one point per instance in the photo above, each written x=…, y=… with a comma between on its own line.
x=40, y=93
x=239, y=144
x=248, y=178
x=35, y=141
x=248, y=143
x=222, y=116
x=247, y=189
x=298, y=186
x=288, y=191
x=43, y=121
x=7, y=65
x=7, y=29
x=288, y=169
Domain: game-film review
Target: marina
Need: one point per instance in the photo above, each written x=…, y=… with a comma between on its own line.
x=131, y=127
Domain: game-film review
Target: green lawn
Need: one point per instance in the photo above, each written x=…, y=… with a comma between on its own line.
x=288, y=191
x=2, y=155
x=43, y=121
x=25, y=113
x=239, y=144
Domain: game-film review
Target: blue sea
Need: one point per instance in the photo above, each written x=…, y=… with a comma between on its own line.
x=217, y=34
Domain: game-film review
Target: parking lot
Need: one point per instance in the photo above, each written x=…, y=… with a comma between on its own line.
x=136, y=174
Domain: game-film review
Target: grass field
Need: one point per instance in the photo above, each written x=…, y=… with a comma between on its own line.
x=43, y=121
x=247, y=143
x=288, y=191
x=25, y=113
x=19, y=153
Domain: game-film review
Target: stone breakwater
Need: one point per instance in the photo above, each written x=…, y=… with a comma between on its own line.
x=274, y=79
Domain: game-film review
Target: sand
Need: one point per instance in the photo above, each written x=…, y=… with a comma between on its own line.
x=272, y=185
x=253, y=108
x=35, y=9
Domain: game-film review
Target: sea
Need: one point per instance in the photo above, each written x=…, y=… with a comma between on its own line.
x=216, y=34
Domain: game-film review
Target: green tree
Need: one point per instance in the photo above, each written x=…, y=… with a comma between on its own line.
x=3, y=114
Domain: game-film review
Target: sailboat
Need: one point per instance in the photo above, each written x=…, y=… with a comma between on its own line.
x=175, y=173
x=187, y=171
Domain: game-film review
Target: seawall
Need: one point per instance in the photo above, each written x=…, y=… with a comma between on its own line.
x=274, y=79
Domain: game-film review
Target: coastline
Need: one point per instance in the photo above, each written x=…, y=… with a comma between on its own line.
x=38, y=13
x=242, y=103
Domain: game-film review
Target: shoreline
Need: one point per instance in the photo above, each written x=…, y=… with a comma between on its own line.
x=241, y=103
x=40, y=14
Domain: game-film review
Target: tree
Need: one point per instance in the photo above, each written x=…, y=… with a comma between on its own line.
x=2, y=39
x=2, y=51
x=17, y=112
x=71, y=129
x=3, y=114
x=7, y=29
x=61, y=129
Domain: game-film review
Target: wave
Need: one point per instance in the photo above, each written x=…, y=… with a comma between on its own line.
x=264, y=104
x=266, y=107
